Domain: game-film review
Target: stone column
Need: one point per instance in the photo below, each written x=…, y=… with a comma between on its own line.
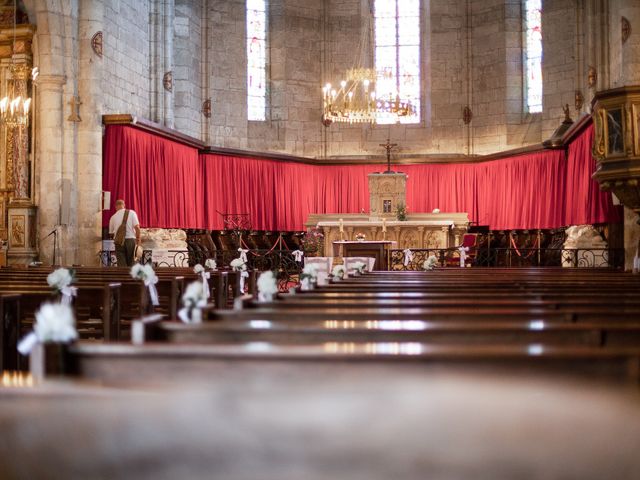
x=50, y=152
x=89, y=167
x=22, y=211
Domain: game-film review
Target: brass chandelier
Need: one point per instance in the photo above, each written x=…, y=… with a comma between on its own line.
x=14, y=108
x=354, y=98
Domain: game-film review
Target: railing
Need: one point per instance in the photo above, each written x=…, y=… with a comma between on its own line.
x=511, y=257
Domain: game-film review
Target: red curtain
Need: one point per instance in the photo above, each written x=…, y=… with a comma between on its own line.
x=170, y=185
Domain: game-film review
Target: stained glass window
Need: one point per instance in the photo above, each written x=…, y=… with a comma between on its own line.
x=256, y=59
x=533, y=54
x=397, y=54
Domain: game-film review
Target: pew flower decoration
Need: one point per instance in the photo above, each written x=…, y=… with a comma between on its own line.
x=463, y=255
x=60, y=280
x=338, y=272
x=204, y=276
x=149, y=277
x=193, y=299
x=430, y=263
x=408, y=256
x=308, y=277
x=211, y=264
x=360, y=267
x=240, y=265
x=267, y=286
x=55, y=323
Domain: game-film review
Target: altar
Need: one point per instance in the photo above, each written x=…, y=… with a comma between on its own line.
x=387, y=197
x=419, y=230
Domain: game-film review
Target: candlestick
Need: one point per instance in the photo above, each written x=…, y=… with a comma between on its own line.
x=341, y=227
x=384, y=225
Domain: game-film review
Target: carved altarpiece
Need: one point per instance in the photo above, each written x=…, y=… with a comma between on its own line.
x=18, y=223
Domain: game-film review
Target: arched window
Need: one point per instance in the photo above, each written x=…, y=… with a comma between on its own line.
x=533, y=54
x=256, y=59
x=397, y=53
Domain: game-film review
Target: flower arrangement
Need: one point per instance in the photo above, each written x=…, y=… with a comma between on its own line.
x=308, y=276
x=361, y=237
x=401, y=212
x=360, y=267
x=210, y=263
x=267, y=286
x=312, y=242
x=430, y=263
x=149, y=277
x=238, y=265
x=55, y=323
x=338, y=272
x=60, y=280
x=436, y=210
x=193, y=299
x=205, y=276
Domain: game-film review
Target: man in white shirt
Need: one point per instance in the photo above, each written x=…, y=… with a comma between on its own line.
x=125, y=253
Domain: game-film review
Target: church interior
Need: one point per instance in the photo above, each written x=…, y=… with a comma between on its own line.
x=296, y=239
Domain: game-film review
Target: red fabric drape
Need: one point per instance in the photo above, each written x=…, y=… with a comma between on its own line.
x=170, y=185
x=158, y=178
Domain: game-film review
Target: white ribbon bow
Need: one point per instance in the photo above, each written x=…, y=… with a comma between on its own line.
x=244, y=274
x=463, y=255
x=205, y=284
x=153, y=291
x=306, y=285
x=298, y=254
x=408, y=256
x=27, y=343
x=193, y=315
x=67, y=294
x=243, y=254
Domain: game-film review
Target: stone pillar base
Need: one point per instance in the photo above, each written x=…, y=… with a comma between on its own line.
x=22, y=230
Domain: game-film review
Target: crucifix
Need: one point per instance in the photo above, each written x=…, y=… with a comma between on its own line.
x=388, y=146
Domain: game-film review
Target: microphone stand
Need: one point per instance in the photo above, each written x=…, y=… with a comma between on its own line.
x=53, y=232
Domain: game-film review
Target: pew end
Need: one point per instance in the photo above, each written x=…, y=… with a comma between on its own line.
x=146, y=329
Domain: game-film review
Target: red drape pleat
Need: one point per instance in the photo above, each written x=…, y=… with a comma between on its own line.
x=170, y=185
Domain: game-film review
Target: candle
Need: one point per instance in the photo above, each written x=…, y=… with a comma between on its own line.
x=384, y=225
x=341, y=226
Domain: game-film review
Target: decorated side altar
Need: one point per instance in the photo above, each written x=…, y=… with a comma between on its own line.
x=419, y=230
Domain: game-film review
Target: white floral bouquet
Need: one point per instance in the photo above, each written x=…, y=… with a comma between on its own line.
x=60, y=280
x=211, y=264
x=430, y=263
x=193, y=299
x=309, y=276
x=55, y=323
x=360, y=267
x=205, y=276
x=238, y=265
x=267, y=286
x=149, y=277
x=338, y=272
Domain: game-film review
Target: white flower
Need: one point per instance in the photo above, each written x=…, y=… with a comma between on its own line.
x=430, y=263
x=60, y=278
x=194, y=295
x=360, y=267
x=210, y=264
x=237, y=264
x=267, y=286
x=198, y=268
x=436, y=210
x=338, y=271
x=55, y=323
x=144, y=273
x=310, y=271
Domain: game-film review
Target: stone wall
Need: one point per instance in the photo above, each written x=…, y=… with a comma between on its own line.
x=126, y=57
